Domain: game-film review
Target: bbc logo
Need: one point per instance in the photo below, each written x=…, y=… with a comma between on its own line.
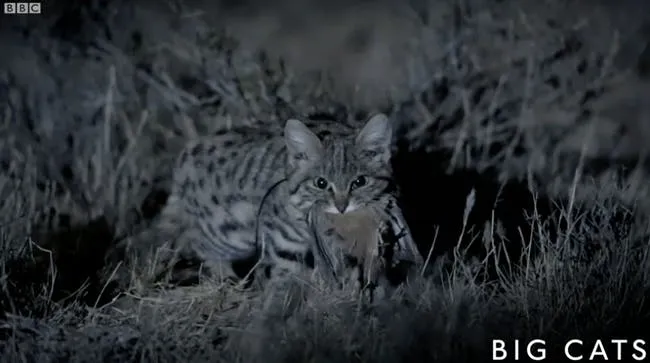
x=22, y=8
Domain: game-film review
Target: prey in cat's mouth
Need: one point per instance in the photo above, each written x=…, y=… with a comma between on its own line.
x=359, y=229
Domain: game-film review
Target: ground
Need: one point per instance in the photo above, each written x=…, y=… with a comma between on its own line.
x=521, y=154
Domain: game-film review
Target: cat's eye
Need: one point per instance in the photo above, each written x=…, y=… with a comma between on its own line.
x=358, y=182
x=320, y=183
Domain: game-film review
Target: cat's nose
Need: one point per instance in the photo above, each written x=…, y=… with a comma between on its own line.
x=341, y=203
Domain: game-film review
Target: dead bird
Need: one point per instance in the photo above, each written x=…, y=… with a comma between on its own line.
x=374, y=241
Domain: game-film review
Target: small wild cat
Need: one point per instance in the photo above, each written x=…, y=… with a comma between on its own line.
x=244, y=194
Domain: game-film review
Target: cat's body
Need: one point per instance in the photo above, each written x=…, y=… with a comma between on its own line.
x=257, y=194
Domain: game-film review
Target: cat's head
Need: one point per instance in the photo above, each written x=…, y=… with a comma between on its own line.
x=339, y=174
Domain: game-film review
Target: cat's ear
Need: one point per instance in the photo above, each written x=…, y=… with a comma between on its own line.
x=303, y=146
x=376, y=138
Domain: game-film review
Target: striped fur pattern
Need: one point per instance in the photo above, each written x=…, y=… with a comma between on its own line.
x=252, y=193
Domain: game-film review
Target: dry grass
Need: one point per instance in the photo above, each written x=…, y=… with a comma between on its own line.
x=535, y=93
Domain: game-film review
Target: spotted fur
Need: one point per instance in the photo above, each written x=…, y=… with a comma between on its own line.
x=244, y=195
